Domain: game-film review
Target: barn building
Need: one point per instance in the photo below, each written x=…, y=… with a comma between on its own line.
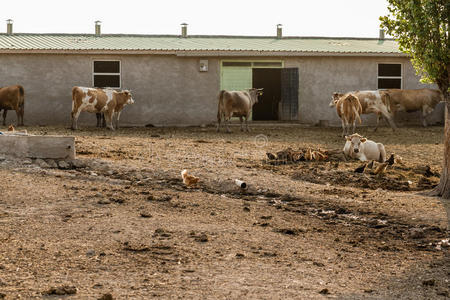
x=175, y=78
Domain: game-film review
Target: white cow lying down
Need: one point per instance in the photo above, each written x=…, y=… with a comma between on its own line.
x=363, y=149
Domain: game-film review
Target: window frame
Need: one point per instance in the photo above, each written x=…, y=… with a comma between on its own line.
x=390, y=77
x=119, y=74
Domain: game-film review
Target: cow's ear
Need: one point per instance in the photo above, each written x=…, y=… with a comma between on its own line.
x=348, y=138
x=363, y=140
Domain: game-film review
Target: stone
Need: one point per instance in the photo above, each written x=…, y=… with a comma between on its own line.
x=90, y=252
x=77, y=163
x=104, y=201
x=27, y=161
x=107, y=296
x=62, y=164
x=41, y=163
x=52, y=163
x=38, y=146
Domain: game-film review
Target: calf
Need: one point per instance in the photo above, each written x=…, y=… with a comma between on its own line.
x=95, y=100
x=348, y=109
x=13, y=97
x=363, y=149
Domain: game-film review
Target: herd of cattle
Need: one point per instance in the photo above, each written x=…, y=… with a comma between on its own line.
x=383, y=103
x=109, y=103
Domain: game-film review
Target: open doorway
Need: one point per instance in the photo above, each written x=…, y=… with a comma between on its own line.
x=280, y=97
x=268, y=104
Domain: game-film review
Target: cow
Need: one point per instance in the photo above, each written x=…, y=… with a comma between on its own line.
x=13, y=98
x=348, y=109
x=376, y=102
x=363, y=149
x=423, y=100
x=236, y=104
x=96, y=100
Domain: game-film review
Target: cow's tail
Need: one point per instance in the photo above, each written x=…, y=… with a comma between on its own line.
x=74, y=93
x=357, y=108
x=219, y=105
x=21, y=96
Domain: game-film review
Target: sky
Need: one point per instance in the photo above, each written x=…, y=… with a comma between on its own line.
x=330, y=18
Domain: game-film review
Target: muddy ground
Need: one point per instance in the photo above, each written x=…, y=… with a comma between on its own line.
x=119, y=223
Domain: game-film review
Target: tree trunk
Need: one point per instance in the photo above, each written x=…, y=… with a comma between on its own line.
x=443, y=189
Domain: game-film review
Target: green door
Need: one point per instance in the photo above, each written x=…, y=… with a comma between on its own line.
x=236, y=78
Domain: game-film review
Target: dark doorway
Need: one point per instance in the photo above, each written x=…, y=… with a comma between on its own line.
x=267, y=106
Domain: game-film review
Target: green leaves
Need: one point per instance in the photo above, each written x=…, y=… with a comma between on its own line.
x=421, y=29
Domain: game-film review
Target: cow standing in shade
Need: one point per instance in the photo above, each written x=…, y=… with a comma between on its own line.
x=13, y=98
x=423, y=100
x=236, y=104
x=94, y=100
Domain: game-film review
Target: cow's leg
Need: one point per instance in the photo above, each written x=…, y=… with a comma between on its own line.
x=117, y=119
x=99, y=119
x=353, y=126
x=343, y=128
x=227, y=120
x=75, y=116
x=389, y=118
x=22, y=112
x=242, y=122
x=378, y=122
x=246, y=123
x=218, y=123
x=424, y=115
x=109, y=116
x=18, y=116
x=5, y=111
x=219, y=119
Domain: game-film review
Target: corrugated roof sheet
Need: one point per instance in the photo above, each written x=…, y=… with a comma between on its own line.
x=116, y=42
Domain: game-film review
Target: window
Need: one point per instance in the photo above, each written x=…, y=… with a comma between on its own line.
x=106, y=73
x=389, y=76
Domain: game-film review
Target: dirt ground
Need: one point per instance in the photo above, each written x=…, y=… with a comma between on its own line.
x=118, y=223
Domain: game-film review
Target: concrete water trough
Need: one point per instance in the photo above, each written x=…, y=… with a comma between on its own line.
x=37, y=146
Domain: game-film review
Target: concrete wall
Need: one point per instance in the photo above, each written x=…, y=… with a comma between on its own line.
x=321, y=76
x=170, y=90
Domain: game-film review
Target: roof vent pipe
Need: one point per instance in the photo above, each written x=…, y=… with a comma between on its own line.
x=184, y=30
x=279, y=31
x=381, y=37
x=98, y=30
x=9, y=26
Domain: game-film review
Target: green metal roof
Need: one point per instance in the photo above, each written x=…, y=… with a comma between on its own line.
x=20, y=42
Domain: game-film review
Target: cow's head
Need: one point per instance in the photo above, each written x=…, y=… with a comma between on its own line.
x=335, y=99
x=356, y=140
x=128, y=97
x=255, y=93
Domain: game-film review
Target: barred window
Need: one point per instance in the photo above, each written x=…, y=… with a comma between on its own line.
x=106, y=73
x=389, y=76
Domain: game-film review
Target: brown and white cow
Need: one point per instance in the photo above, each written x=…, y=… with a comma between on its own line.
x=236, y=104
x=95, y=100
x=348, y=109
x=372, y=102
x=423, y=100
x=12, y=98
